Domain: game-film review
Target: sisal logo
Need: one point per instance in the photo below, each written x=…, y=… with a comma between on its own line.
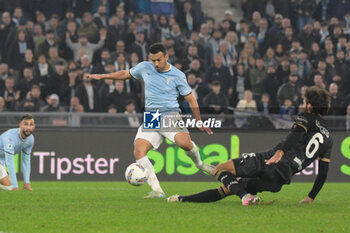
x=77, y=165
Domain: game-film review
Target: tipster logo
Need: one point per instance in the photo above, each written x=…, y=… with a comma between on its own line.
x=151, y=120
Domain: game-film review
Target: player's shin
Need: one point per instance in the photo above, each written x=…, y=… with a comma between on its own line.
x=231, y=183
x=196, y=158
x=152, y=178
x=211, y=195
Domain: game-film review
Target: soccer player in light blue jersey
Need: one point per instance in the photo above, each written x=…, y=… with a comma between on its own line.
x=163, y=84
x=15, y=141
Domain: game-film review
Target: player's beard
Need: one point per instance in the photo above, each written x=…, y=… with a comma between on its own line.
x=27, y=132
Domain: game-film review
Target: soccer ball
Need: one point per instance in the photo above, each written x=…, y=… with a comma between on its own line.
x=136, y=174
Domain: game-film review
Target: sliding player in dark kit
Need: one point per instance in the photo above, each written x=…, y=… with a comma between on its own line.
x=309, y=139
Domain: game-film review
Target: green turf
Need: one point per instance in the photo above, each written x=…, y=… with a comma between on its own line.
x=119, y=207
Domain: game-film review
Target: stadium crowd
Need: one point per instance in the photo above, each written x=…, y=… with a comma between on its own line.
x=262, y=63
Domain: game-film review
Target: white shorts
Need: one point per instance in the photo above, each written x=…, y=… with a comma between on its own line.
x=3, y=172
x=155, y=136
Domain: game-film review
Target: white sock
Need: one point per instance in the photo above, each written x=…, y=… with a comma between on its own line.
x=196, y=158
x=152, y=178
x=194, y=155
x=7, y=188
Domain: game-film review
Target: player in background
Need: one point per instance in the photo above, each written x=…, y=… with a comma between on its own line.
x=309, y=139
x=163, y=84
x=15, y=141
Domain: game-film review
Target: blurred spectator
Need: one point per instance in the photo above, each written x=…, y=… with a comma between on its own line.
x=120, y=48
x=341, y=66
x=85, y=45
x=17, y=15
x=322, y=70
x=187, y=18
x=199, y=89
x=240, y=83
x=10, y=94
x=17, y=50
x=289, y=90
x=49, y=42
x=25, y=84
x=305, y=67
x=314, y=54
x=133, y=121
x=119, y=97
x=247, y=104
x=216, y=102
x=257, y=76
x=121, y=63
x=226, y=56
x=271, y=83
x=55, y=81
x=32, y=102
x=220, y=73
x=6, y=26
x=100, y=67
x=140, y=46
x=305, y=9
x=106, y=87
x=54, y=59
x=287, y=108
x=89, y=28
x=75, y=105
x=265, y=106
x=307, y=38
x=255, y=22
x=53, y=104
x=337, y=104
x=228, y=17
x=41, y=73
x=69, y=16
x=114, y=33
x=197, y=69
x=283, y=70
x=88, y=95
x=69, y=86
x=28, y=60
x=319, y=81
x=100, y=17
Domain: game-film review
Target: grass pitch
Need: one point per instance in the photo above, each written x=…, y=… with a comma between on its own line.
x=119, y=207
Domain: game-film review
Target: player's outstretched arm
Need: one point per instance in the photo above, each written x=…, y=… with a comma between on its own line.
x=119, y=75
x=319, y=182
x=195, y=109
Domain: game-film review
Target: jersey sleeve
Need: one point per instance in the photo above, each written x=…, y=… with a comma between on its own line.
x=8, y=145
x=182, y=85
x=302, y=120
x=326, y=156
x=137, y=70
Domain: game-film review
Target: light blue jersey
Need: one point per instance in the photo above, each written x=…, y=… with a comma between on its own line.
x=11, y=143
x=161, y=88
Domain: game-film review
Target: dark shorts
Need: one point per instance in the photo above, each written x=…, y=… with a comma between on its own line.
x=255, y=175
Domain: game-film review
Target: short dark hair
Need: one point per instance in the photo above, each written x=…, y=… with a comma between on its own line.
x=319, y=99
x=27, y=116
x=156, y=48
